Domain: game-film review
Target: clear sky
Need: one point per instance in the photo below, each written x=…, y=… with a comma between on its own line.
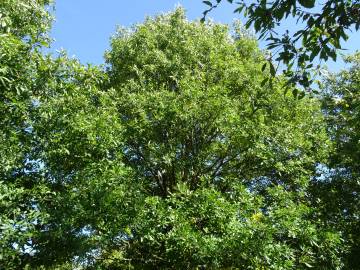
x=83, y=27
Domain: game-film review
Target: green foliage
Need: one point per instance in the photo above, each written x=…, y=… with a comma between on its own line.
x=207, y=228
x=190, y=107
x=57, y=154
x=26, y=19
x=321, y=34
x=338, y=196
x=21, y=191
x=341, y=99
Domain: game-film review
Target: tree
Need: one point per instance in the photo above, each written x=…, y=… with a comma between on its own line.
x=41, y=215
x=21, y=30
x=323, y=29
x=338, y=194
x=218, y=155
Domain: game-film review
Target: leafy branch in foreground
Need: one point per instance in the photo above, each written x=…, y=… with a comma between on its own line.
x=322, y=30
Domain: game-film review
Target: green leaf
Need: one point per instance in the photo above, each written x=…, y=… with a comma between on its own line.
x=332, y=54
x=295, y=92
x=263, y=67
x=314, y=53
x=272, y=69
x=264, y=81
x=307, y=3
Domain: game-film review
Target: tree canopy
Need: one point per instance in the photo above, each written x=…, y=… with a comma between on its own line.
x=176, y=155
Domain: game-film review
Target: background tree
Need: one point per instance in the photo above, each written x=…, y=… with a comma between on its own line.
x=22, y=24
x=51, y=125
x=338, y=193
x=323, y=28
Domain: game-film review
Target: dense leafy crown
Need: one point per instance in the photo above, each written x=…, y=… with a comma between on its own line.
x=217, y=154
x=190, y=98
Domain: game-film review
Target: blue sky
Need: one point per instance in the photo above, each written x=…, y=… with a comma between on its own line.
x=83, y=27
